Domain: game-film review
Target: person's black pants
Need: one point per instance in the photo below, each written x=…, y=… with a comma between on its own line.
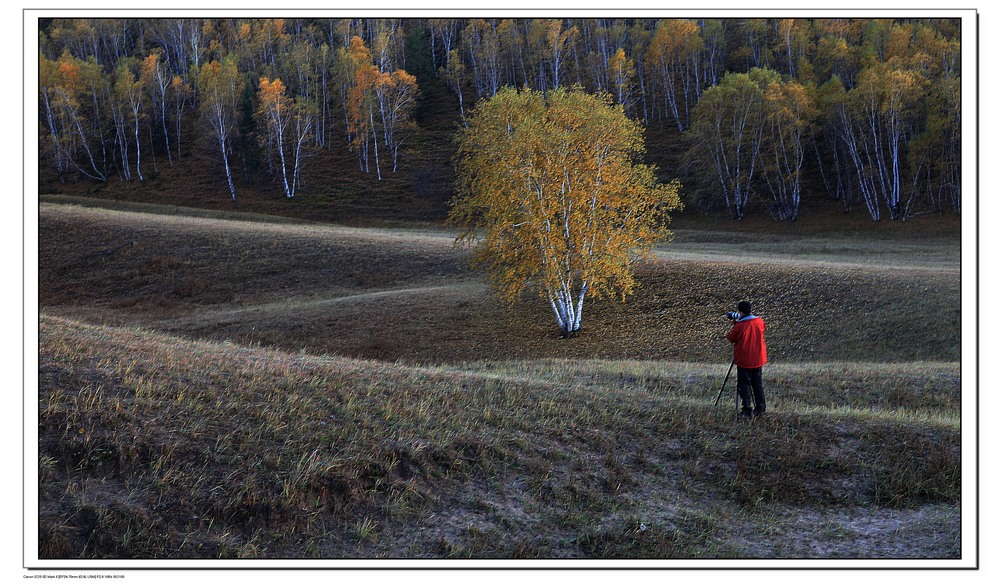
x=747, y=380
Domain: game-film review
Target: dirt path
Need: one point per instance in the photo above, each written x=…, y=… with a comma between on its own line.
x=934, y=254
x=796, y=261
x=298, y=305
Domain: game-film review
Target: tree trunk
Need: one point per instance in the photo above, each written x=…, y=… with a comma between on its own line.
x=371, y=119
x=56, y=142
x=229, y=176
x=568, y=311
x=138, y=149
x=166, y=134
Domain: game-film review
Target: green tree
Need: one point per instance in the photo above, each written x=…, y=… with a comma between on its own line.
x=554, y=181
x=831, y=152
x=876, y=118
x=727, y=130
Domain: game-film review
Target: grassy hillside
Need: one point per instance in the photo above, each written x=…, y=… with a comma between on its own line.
x=153, y=446
x=237, y=386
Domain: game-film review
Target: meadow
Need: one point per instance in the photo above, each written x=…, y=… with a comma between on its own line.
x=223, y=385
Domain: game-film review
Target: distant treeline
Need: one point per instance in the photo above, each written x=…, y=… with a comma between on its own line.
x=868, y=108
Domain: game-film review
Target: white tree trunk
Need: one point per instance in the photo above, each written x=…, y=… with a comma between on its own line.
x=229, y=175
x=567, y=307
x=138, y=149
x=371, y=119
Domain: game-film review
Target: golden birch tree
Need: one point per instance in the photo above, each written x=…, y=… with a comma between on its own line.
x=360, y=104
x=396, y=94
x=789, y=108
x=288, y=123
x=621, y=70
x=219, y=86
x=877, y=117
x=64, y=86
x=674, y=53
x=158, y=82
x=551, y=189
x=181, y=91
x=274, y=113
x=454, y=76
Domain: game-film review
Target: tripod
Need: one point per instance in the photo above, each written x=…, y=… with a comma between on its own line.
x=724, y=387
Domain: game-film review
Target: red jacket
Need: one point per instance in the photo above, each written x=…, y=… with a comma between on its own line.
x=747, y=335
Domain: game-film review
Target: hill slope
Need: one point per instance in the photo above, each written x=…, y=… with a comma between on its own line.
x=409, y=294
x=212, y=387
x=153, y=446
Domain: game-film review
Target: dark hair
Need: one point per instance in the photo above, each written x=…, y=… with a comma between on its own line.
x=744, y=308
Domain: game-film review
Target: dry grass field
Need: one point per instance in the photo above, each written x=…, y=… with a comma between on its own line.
x=240, y=386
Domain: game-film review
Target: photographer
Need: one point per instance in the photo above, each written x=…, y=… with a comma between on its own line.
x=749, y=355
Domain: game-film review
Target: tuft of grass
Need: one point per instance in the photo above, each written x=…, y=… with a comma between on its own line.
x=687, y=534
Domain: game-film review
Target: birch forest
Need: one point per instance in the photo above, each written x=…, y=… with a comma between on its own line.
x=756, y=112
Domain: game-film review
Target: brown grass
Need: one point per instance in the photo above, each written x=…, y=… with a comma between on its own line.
x=209, y=389
x=158, y=447
x=409, y=295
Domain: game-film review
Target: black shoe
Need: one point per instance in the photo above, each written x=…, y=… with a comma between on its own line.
x=746, y=414
x=758, y=413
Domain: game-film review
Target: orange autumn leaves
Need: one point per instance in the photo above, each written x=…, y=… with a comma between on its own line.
x=550, y=187
x=379, y=106
x=288, y=124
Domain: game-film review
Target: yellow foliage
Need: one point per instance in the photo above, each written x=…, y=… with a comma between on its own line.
x=673, y=39
x=147, y=69
x=554, y=181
